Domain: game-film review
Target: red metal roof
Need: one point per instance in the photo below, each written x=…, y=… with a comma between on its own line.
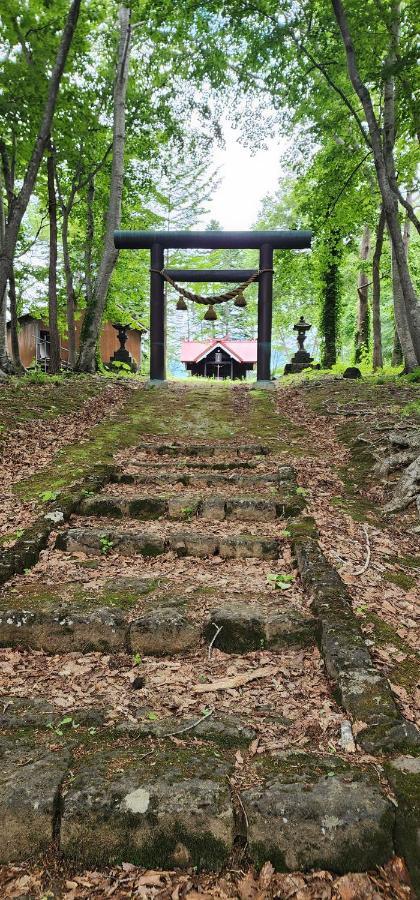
x=242, y=351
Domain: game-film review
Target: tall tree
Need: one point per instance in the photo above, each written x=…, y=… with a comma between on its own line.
x=20, y=201
x=382, y=144
x=54, y=339
x=94, y=314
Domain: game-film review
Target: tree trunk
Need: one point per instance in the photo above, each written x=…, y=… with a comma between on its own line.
x=385, y=171
x=330, y=299
x=362, y=332
x=14, y=337
x=20, y=203
x=90, y=226
x=70, y=301
x=401, y=321
x=4, y=356
x=94, y=314
x=54, y=365
x=400, y=317
x=377, y=361
x=397, y=357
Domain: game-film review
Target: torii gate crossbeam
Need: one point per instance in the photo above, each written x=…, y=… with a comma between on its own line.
x=264, y=241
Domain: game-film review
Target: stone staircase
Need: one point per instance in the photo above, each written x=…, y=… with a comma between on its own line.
x=195, y=588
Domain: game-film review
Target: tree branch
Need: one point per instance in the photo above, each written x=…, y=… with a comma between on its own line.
x=321, y=68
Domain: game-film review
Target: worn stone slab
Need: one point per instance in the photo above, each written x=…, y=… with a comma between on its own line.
x=21, y=712
x=250, y=509
x=245, y=546
x=226, y=731
x=30, y=780
x=116, y=507
x=183, y=506
x=242, y=628
x=193, y=544
x=204, y=449
x=362, y=690
x=176, y=812
x=214, y=508
x=314, y=812
x=94, y=541
x=289, y=626
x=163, y=631
x=64, y=629
x=404, y=775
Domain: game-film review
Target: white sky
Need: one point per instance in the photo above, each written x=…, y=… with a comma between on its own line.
x=245, y=179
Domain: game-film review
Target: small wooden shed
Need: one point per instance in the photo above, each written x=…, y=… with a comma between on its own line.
x=219, y=358
x=34, y=342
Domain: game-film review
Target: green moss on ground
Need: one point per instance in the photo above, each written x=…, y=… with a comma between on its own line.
x=406, y=582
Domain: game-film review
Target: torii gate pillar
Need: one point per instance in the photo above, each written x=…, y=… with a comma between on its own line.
x=265, y=313
x=264, y=241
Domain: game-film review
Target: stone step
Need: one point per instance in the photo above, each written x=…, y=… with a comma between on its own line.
x=159, y=628
x=206, y=478
x=160, y=465
x=184, y=506
x=94, y=541
x=165, y=806
x=204, y=449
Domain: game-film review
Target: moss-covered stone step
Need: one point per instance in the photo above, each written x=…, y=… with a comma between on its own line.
x=171, y=808
x=363, y=691
x=153, y=475
x=184, y=506
x=317, y=812
x=26, y=715
x=94, y=541
x=153, y=804
x=162, y=628
x=204, y=449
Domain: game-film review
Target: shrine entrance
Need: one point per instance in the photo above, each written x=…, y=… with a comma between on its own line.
x=264, y=241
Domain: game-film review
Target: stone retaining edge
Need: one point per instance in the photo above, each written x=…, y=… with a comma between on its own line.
x=25, y=551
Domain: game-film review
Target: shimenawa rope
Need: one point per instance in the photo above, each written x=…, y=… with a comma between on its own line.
x=210, y=301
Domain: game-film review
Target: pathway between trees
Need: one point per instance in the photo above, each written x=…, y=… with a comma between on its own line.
x=187, y=685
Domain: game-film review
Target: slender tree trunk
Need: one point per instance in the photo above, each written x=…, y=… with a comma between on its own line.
x=377, y=361
x=90, y=232
x=94, y=314
x=330, y=299
x=14, y=337
x=4, y=357
x=20, y=203
x=70, y=300
x=385, y=171
x=54, y=365
x=362, y=332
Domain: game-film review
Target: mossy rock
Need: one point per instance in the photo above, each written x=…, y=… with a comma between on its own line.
x=404, y=775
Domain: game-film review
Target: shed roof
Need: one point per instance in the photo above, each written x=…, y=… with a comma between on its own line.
x=242, y=351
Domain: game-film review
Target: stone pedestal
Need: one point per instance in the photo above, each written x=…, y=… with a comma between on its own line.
x=301, y=360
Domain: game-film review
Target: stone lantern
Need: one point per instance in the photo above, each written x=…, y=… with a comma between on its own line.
x=122, y=355
x=301, y=360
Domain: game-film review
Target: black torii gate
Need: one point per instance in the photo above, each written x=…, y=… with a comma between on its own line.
x=264, y=241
